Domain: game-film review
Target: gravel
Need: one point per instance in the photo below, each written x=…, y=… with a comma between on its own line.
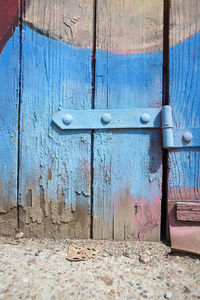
x=168, y=295
x=38, y=269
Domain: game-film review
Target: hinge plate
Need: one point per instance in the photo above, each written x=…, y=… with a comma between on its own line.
x=108, y=119
x=186, y=137
x=130, y=118
x=177, y=137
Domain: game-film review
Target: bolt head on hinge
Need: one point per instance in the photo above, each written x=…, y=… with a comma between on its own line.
x=67, y=119
x=187, y=137
x=106, y=118
x=145, y=118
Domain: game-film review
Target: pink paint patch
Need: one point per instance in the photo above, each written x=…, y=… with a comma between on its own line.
x=188, y=211
x=141, y=216
x=146, y=216
x=183, y=193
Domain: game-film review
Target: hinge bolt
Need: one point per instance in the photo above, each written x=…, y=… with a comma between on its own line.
x=187, y=137
x=145, y=118
x=106, y=118
x=67, y=119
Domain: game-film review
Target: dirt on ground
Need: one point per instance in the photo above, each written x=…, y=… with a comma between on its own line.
x=74, y=269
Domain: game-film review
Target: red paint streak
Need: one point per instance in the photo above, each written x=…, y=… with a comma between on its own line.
x=9, y=18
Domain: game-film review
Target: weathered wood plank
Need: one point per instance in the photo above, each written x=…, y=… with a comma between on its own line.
x=188, y=211
x=9, y=99
x=127, y=163
x=54, y=165
x=67, y=21
x=184, y=164
x=146, y=18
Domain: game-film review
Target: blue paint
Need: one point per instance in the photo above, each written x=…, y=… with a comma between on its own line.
x=127, y=163
x=134, y=159
x=177, y=137
x=43, y=96
x=167, y=125
x=128, y=80
x=107, y=118
x=9, y=98
x=57, y=76
x=184, y=98
x=186, y=137
x=184, y=82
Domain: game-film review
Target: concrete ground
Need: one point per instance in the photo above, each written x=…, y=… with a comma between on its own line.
x=38, y=269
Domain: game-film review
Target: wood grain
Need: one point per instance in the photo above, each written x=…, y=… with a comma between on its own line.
x=64, y=20
x=184, y=98
x=54, y=164
x=188, y=211
x=9, y=100
x=127, y=163
x=184, y=164
x=145, y=17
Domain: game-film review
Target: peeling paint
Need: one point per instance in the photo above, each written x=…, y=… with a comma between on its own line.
x=49, y=174
x=82, y=193
x=46, y=218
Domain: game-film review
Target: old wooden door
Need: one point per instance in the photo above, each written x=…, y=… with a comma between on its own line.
x=81, y=87
x=81, y=55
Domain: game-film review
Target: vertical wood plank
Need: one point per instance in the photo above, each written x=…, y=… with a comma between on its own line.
x=54, y=164
x=184, y=164
x=127, y=163
x=9, y=98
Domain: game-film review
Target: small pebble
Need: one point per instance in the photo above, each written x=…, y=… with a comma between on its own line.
x=168, y=295
x=145, y=258
x=105, y=255
x=107, y=280
x=127, y=253
x=19, y=235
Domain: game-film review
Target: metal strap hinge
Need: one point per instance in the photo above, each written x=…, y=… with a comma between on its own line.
x=177, y=137
x=129, y=118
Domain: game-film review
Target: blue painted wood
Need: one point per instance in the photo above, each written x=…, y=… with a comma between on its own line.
x=167, y=125
x=9, y=98
x=181, y=142
x=184, y=172
x=110, y=118
x=54, y=165
x=184, y=183
x=177, y=137
x=127, y=163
